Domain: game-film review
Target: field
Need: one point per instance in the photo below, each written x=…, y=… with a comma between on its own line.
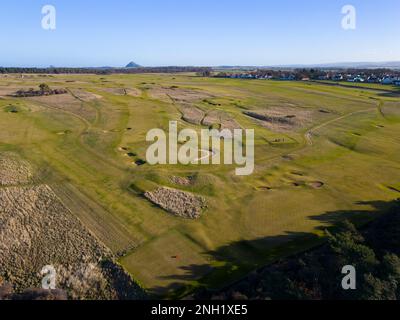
x=322, y=154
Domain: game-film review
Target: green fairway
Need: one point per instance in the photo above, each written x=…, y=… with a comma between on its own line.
x=88, y=146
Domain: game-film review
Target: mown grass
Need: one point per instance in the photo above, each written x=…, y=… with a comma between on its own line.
x=273, y=213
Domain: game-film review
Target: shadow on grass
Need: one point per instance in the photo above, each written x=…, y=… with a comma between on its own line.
x=234, y=261
x=395, y=93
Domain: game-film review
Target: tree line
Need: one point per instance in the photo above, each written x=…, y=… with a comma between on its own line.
x=172, y=69
x=44, y=90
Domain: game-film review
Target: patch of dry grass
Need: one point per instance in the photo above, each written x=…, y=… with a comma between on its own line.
x=282, y=119
x=37, y=230
x=84, y=95
x=178, y=94
x=13, y=170
x=69, y=103
x=192, y=114
x=216, y=117
x=179, y=203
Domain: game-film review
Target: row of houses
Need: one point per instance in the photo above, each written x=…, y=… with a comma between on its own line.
x=304, y=75
x=382, y=79
x=245, y=75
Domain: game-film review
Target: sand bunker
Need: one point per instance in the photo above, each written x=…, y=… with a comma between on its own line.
x=140, y=162
x=179, y=203
x=324, y=111
x=264, y=188
x=131, y=154
x=13, y=170
x=287, y=157
x=312, y=184
x=316, y=184
x=281, y=119
x=182, y=181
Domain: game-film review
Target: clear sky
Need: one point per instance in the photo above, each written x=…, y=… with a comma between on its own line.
x=197, y=32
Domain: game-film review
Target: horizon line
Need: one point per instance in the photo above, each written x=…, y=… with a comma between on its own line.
x=291, y=65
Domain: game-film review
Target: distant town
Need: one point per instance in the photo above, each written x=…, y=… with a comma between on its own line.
x=383, y=76
x=378, y=76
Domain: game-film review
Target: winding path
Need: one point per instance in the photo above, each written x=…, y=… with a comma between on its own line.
x=308, y=135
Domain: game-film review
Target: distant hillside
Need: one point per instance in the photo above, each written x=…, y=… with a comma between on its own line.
x=132, y=65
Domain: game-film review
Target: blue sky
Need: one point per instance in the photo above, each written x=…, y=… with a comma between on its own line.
x=197, y=32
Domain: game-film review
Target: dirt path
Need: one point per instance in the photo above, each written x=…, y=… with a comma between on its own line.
x=86, y=127
x=308, y=135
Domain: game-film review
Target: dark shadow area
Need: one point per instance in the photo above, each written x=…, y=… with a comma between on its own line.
x=298, y=272
x=384, y=91
x=392, y=94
